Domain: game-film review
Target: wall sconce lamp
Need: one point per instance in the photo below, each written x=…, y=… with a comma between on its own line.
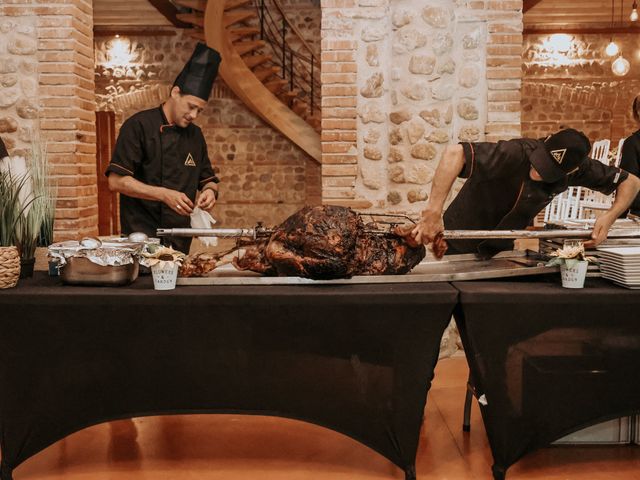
x=559, y=43
x=119, y=52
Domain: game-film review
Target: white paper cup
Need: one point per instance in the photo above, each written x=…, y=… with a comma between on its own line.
x=164, y=275
x=573, y=277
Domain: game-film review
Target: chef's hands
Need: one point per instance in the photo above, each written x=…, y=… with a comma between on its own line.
x=178, y=202
x=429, y=231
x=600, y=230
x=406, y=233
x=207, y=199
x=428, y=227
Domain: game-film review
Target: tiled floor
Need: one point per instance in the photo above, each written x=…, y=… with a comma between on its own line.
x=229, y=447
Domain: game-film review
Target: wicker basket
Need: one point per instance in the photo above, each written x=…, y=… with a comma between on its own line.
x=9, y=267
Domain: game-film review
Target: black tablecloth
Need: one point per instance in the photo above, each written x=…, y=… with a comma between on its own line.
x=357, y=359
x=549, y=360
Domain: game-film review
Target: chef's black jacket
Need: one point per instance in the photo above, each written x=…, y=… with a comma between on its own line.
x=159, y=154
x=499, y=195
x=630, y=162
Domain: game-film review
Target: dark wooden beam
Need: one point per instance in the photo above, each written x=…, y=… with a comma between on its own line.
x=529, y=4
x=168, y=9
x=548, y=30
x=132, y=31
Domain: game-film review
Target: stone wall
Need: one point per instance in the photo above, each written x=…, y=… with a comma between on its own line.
x=46, y=92
x=404, y=78
x=576, y=88
x=264, y=177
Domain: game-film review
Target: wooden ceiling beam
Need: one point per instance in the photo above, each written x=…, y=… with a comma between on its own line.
x=168, y=9
x=548, y=30
x=529, y=4
x=131, y=31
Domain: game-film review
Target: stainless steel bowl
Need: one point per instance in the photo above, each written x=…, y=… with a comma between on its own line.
x=82, y=271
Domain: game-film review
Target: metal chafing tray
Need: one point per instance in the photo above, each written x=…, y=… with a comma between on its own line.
x=82, y=271
x=97, y=262
x=450, y=268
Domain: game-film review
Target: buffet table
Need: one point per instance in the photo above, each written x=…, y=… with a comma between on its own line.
x=547, y=361
x=357, y=359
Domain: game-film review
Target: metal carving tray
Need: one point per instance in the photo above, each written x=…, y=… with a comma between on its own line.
x=450, y=268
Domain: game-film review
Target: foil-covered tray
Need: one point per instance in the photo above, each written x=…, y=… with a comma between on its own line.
x=92, y=261
x=82, y=271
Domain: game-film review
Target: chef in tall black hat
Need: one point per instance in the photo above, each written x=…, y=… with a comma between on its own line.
x=509, y=182
x=160, y=161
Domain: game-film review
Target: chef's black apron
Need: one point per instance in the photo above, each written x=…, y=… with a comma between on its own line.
x=159, y=154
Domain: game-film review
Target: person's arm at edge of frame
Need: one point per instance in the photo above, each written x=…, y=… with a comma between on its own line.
x=431, y=223
x=625, y=194
x=132, y=187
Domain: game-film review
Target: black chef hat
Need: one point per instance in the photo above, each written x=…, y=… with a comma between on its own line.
x=198, y=75
x=560, y=154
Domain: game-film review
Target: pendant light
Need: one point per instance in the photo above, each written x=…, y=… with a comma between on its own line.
x=634, y=12
x=612, y=49
x=620, y=66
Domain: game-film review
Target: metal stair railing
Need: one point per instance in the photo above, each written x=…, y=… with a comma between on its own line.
x=302, y=71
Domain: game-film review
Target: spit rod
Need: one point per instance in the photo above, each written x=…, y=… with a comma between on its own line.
x=207, y=232
x=448, y=234
x=479, y=234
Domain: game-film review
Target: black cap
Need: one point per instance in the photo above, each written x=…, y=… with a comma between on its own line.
x=560, y=154
x=198, y=75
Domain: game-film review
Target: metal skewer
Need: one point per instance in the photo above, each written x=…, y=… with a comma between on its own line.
x=261, y=232
x=478, y=234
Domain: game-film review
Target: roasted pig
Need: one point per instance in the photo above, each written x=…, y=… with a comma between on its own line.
x=328, y=242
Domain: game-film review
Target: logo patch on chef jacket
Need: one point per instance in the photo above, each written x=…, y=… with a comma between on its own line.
x=189, y=162
x=558, y=155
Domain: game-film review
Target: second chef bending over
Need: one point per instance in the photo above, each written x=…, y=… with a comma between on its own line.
x=510, y=182
x=160, y=160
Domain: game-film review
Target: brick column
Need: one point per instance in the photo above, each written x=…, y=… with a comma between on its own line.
x=339, y=97
x=504, y=68
x=64, y=104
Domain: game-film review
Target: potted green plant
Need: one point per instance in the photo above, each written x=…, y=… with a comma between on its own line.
x=573, y=264
x=30, y=212
x=164, y=263
x=10, y=210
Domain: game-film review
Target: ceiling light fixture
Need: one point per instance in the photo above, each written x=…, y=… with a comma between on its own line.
x=612, y=49
x=620, y=66
x=634, y=12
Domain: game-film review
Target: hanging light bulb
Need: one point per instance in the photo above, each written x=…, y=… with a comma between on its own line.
x=612, y=49
x=634, y=12
x=620, y=66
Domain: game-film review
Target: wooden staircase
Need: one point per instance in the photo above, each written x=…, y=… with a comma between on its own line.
x=248, y=70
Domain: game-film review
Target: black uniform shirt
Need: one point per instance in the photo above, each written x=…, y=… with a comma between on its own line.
x=159, y=154
x=499, y=195
x=631, y=163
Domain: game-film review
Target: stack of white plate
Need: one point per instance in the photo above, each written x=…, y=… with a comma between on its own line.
x=621, y=265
